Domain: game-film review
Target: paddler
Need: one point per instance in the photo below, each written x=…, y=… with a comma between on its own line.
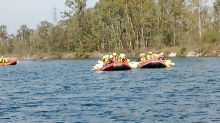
x=7, y=59
x=139, y=58
x=161, y=56
x=105, y=59
x=110, y=59
x=155, y=56
x=123, y=58
x=150, y=55
x=115, y=57
x=4, y=60
x=1, y=60
x=143, y=58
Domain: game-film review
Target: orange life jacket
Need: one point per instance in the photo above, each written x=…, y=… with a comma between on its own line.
x=150, y=57
x=115, y=58
x=124, y=60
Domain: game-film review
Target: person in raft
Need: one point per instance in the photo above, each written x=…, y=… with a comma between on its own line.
x=115, y=57
x=142, y=57
x=139, y=58
x=110, y=59
x=4, y=59
x=150, y=55
x=123, y=58
x=161, y=56
x=1, y=60
x=105, y=59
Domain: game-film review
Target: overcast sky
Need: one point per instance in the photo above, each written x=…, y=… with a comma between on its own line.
x=14, y=13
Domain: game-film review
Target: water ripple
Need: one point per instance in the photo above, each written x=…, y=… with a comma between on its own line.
x=68, y=91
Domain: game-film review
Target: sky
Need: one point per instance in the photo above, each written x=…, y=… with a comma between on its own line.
x=14, y=13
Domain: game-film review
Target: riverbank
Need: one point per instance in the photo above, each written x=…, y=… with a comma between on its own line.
x=99, y=55
x=202, y=51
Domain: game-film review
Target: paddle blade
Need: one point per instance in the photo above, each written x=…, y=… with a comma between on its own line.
x=100, y=62
x=133, y=64
x=168, y=60
x=172, y=63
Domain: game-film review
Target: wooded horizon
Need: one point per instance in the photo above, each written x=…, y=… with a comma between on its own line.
x=119, y=26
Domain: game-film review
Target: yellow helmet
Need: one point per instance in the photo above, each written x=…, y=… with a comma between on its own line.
x=110, y=56
x=105, y=56
x=161, y=54
x=114, y=54
x=150, y=53
x=141, y=54
x=122, y=55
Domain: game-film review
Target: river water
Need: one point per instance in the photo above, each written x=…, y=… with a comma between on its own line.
x=61, y=91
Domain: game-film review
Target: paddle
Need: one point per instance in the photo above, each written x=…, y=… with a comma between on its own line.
x=100, y=62
x=133, y=64
x=98, y=66
x=169, y=62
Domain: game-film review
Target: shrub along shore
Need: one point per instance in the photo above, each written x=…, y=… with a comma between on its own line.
x=207, y=51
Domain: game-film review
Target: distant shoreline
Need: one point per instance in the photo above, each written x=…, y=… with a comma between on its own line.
x=99, y=55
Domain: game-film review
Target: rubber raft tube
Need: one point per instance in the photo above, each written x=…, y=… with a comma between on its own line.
x=152, y=64
x=13, y=62
x=116, y=66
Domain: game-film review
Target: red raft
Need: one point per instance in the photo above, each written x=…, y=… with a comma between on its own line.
x=154, y=63
x=116, y=66
x=10, y=62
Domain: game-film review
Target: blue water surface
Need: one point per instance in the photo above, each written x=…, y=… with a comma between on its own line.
x=68, y=91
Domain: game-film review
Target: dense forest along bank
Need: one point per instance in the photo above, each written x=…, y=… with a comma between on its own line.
x=169, y=52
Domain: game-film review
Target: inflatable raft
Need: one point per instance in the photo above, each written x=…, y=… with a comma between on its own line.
x=11, y=62
x=115, y=66
x=154, y=63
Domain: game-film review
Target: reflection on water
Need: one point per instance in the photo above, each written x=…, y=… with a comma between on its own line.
x=68, y=91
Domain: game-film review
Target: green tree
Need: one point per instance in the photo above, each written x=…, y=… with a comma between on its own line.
x=44, y=30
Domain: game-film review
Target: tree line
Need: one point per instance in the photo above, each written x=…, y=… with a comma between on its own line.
x=118, y=25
